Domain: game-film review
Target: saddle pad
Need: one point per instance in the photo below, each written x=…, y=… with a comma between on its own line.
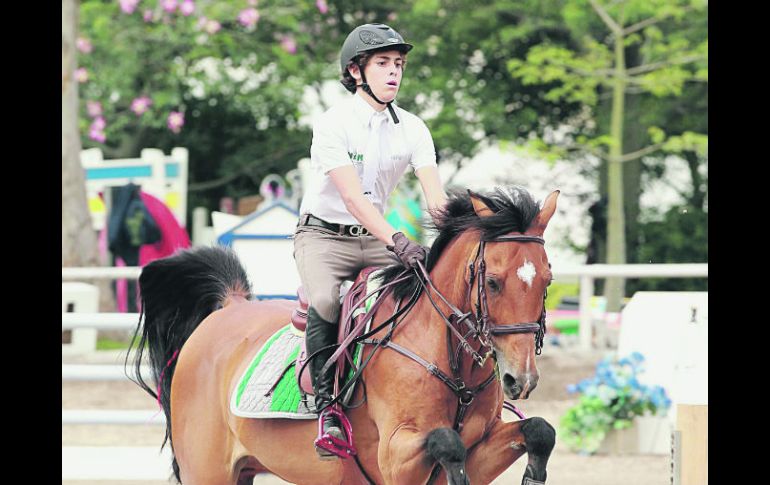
x=251, y=399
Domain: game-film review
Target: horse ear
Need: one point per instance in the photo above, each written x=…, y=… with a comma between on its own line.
x=480, y=204
x=537, y=228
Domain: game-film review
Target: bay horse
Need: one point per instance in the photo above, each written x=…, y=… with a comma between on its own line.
x=435, y=383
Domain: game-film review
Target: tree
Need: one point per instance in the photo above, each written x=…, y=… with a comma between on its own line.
x=78, y=243
x=668, y=62
x=457, y=76
x=143, y=65
x=78, y=240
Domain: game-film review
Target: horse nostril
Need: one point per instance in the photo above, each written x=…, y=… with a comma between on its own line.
x=508, y=381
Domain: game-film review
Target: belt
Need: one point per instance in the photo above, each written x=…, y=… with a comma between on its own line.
x=341, y=229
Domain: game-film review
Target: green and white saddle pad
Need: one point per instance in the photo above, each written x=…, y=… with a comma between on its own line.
x=251, y=398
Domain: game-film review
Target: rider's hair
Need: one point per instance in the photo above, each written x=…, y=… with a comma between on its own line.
x=347, y=79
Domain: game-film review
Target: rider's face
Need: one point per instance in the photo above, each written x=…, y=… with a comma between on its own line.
x=383, y=73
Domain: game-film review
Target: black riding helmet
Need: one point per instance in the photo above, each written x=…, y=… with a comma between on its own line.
x=370, y=38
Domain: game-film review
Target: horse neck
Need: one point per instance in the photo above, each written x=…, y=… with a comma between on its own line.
x=450, y=272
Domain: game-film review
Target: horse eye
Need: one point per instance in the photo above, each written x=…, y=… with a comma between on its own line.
x=492, y=284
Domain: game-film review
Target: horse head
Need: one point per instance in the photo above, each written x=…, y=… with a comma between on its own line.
x=512, y=273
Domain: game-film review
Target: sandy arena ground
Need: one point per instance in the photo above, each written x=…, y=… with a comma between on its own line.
x=558, y=367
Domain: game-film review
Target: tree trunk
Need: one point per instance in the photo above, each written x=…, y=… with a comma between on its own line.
x=78, y=239
x=616, y=229
x=698, y=196
x=634, y=138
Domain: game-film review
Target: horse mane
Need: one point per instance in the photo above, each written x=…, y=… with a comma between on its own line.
x=514, y=210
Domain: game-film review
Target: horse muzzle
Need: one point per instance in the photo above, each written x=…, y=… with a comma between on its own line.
x=519, y=386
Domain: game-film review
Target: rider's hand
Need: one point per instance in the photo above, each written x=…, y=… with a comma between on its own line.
x=407, y=251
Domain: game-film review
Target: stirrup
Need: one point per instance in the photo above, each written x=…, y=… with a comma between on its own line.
x=332, y=444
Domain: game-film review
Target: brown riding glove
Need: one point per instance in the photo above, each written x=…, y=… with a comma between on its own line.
x=407, y=251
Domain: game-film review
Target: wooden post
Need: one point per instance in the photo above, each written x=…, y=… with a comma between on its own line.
x=692, y=423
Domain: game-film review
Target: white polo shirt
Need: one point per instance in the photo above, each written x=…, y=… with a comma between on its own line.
x=344, y=135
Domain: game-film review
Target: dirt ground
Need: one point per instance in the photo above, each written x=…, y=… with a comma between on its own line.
x=558, y=367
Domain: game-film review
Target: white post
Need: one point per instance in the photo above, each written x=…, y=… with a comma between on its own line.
x=80, y=298
x=586, y=323
x=199, y=220
x=157, y=160
x=181, y=157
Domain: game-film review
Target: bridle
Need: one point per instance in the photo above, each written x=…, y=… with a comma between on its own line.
x=484, y=327
x=481, y=326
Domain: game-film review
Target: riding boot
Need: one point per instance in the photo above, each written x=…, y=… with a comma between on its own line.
x=319, y=334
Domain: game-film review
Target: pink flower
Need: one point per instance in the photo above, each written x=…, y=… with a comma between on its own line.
x=147, y=16
x=175, y=121
x=140, y=105
x=187, y=8
x=97, y=135
x=81, y=75
x=168, y=5
x=96, y=130
x=128, y=6
x=98, y=123
x=289, y=44
x=248, y=17
x=84, y=45
x=212, y=26
x=322, y=7
x=94, y=108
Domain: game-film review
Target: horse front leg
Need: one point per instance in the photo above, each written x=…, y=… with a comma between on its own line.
x=409, y=456
x=505, y=443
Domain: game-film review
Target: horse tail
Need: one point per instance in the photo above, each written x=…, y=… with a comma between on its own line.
x=177, y=294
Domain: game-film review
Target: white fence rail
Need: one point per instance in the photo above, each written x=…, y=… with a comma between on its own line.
x=590, y=272
x=98, y=416
x=100, y=273
x=99, y=321
x=586, y=273
x=91, y=372
x=128, y=321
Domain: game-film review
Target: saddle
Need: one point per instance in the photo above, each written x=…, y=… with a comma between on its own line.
x=345, y=325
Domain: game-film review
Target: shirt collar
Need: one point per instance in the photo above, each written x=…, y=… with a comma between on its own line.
x=365, y=113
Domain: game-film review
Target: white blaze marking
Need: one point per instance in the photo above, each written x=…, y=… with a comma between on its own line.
x=526, y=273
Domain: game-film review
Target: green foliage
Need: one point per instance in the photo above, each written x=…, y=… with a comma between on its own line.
x=609, y=400
x=581, y=73
x=688, y=142
x=111, y=344
x=681, y=236
x=557, y=291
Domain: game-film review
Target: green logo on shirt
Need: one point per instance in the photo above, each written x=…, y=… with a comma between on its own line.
x=356, y=157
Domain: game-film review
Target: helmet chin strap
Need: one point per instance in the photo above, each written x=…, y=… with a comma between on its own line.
x=368, y=90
